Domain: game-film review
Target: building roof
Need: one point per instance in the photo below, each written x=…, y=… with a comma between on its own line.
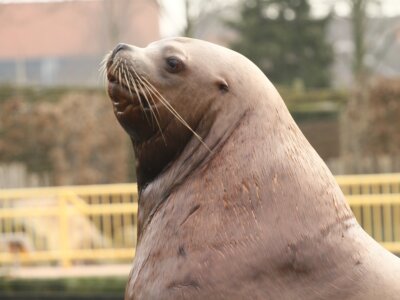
x=74, y=28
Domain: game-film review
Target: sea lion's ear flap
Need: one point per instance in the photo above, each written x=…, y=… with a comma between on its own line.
x=222, y=85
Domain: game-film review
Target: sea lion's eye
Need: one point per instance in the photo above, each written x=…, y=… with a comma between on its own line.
x=223, y=87
x=174, y=64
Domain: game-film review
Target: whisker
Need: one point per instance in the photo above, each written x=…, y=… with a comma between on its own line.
x=145, y=86
x=132, y=81
x=175, y=113
x=119, y=75
x=127, y=81
x=155, y=113
x=148, y=104
x=164, y=101
x=148, y=91
x=116, y=65
x=103, y=68
x=151, y=97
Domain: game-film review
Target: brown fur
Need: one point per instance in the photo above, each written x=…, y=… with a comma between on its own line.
x=258, y=215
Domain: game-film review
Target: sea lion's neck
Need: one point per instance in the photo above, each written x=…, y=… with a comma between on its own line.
x=185, y=161
x=154, y=156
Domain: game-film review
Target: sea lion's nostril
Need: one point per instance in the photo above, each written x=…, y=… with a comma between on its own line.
x=120, y=47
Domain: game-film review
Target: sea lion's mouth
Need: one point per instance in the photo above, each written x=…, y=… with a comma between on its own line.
x=124, y=96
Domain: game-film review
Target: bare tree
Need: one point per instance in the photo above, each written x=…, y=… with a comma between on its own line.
x=359, y=19
x=356, y=128
x=196, y=11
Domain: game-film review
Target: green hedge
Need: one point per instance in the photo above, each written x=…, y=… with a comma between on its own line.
x=41, y=94
x=69, y=288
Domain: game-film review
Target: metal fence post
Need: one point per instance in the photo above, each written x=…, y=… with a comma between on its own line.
x=65, y=259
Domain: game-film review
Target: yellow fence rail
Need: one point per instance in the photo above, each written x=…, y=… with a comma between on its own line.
x=375, y=201
x=97, y=224
x=68, y=224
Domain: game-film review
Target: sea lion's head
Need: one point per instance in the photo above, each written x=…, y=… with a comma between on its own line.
x=170, y=93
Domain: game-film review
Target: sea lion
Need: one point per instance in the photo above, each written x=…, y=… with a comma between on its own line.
x=234, y=203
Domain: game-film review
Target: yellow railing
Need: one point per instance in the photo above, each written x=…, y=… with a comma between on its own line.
x=375, y=201
x=68, y=224
x=98, y=223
